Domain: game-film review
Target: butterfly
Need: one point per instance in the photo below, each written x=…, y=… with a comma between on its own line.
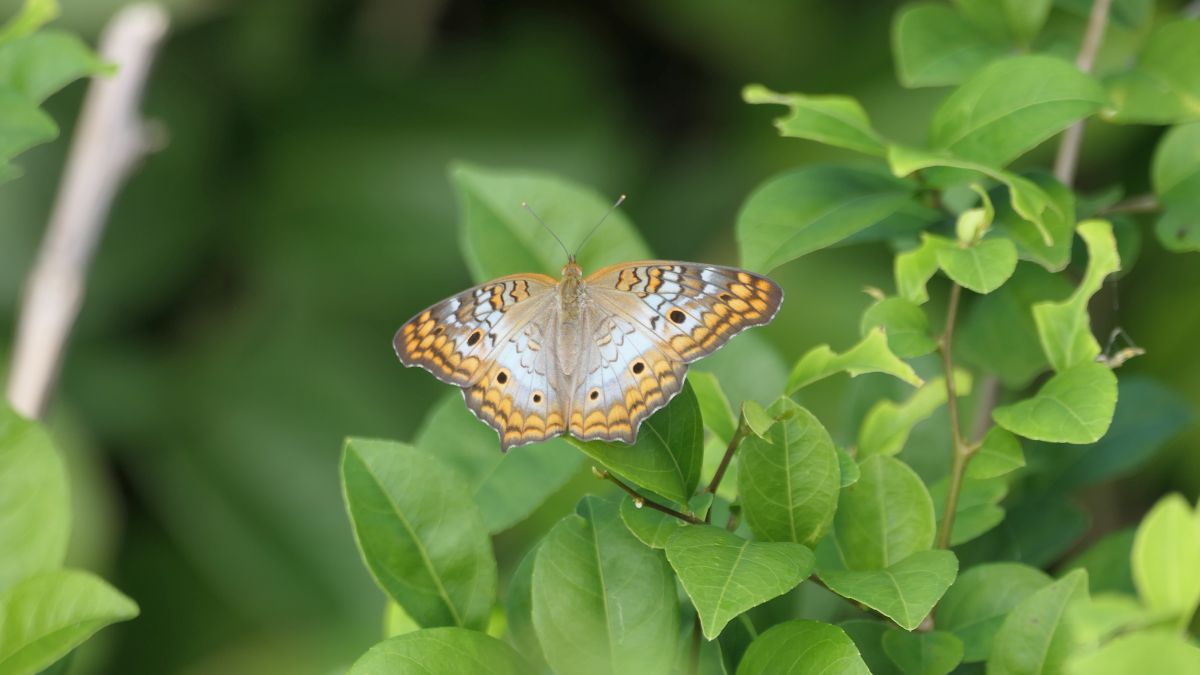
x=537, y=357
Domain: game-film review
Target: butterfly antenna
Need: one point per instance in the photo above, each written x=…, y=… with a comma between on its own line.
x=527, y=207
x=595, y=227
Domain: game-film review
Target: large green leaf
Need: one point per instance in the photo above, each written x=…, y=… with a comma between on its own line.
x=35, y=516
x=933, y=45
x=22, y=125
x=975, y=606
x=904, y=323
x=868, y=637
x=808, y=209
x=39, y=65
x=441, y=651
x=1034, y=639
x=1175, y=174
x=870, y=355
x=885, y=517
x=726, y=575
x=1058, y=221
x=1164, y=87
x=802, y=648
x=400, y=500
x=518, y=609
x=999, y=453
x=506, y=486
x=789, y=480
x=602, y=601
x=923, y=653
x=1142, y=652
x=1074, y=406
x=905, y=592
x=1166, y=559
x=499, y=237
x=714, y=405
x=1011, y=106
x=50, y=613
x=832, y=120
x=668, y=454
x=915, y=267
x=1107, y=562
x=885, y=429
x=983, y=267
x=1064, y=327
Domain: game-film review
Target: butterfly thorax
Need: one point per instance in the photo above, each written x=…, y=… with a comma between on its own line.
x=570, y=289
x=570, y=330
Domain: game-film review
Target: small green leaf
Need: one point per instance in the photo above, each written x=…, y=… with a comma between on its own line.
x=802, y=648
x=652, y=527
x=848, y=468
x=399, y=500
x=35, y=518
x=668, y=454
x=714, y=406
x=976, y=511
x=1144, y=652
x=45, y=616
x=815, y=207
x=1063, y=327
x=1164, y=87
x=726, y=575
x=499, y=237
x=22, y=125
x=441, y=651
x=999, y=453
x=885, y=517
x=33, y=15
x=1175, y=174
x=983, y=267
x=1166, y=559
x=757, y=418
x=1178, y=230
x=914, y=268
x=1034, y=638
x=1107, y=562
x=1011, y=106
x=506, y=486
x=602, y=601
x=934, y=46
x=1074, y=406
x=518, y=609
x=871, y=355
x=789, y=480
x=928, y=653
x=833, y=120
x=904, y=592
x=39, y=65
x=396, y=621
x=886, y=427
x=975, y=606
x=905, y=324
x=1058, y=221
x=973, y=223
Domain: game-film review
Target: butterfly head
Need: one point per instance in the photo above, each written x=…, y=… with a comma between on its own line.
x=572, y=270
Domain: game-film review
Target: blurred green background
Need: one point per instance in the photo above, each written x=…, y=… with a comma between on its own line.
x=242, y=304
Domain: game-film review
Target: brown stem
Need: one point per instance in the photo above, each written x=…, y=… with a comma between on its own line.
x=961, y=453
x=1137, y=204
x=641, y=501
x=1067, y=160
x=734, y=442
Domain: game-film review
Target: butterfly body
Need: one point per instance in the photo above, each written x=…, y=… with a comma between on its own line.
x=594, y=357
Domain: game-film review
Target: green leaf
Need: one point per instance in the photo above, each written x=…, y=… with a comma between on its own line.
x=518, y=609
x=868, y=638
x=848, y=468
x=983, y=267
x=22, y=125
x=999, y=453
x=39, y=65
x=1074, y=406
x=50, y=613
x=998, y=333
x=914, y=268
x=1178, y=230
x=934, y=45
x=1011, y=106
x=929, y=653
x=976, y=511
x=1034, y=638
x=668, y=454
x=1175, y=174
x=714, y=406
x=441, y=651
x=506, y=486
x=1058, y=221
x=1164, y=87
x=757, y=418
x=815, y=207
x=789, y=480
x=802, y=648
x=885, y=429
x=833, y=120
x=396, y=621
x=905, y=324
x=885, y=517
x=33, y=15
x=1107, y=562
x=499, y=237
x=726, y=575
x=1166, y=559
x=975, y=222
x=871, y=355
x=1025, y=18
x=35, y=514
x=602, y=601
x=904, y=592
x=653, y=527
x=1145, y=652
x=399, y=500
x=975, y=606
x=1063, y=327
x=1104, y=616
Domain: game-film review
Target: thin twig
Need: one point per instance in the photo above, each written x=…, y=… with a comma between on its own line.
x=961, y=452
x=110, y=139
x=641, y=501
x=740, y=433
x=1146, y=203
x=1067, y=160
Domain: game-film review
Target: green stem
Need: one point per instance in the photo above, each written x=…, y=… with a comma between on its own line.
x=962, y=451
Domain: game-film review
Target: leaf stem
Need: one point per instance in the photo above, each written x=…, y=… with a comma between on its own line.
x=1067, y=160
x=641, y=501
x=742, y=430
x=1146, y=203
x=962, y=451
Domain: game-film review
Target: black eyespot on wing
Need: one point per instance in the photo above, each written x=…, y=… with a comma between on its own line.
x=594, y=395
x=638, y=367
x=677, y=316
x=537, y=398
x=502, y=377
x=473, y=338
x=725, y=297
